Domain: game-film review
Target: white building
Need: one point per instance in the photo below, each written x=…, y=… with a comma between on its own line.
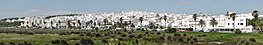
x=225, y=23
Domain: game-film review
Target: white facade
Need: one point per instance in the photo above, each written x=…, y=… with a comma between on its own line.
x=225, y=23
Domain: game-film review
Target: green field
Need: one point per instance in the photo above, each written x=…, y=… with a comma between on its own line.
x=130, y=38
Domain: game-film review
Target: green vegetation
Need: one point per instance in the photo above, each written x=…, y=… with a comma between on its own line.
x=11, y=18
x=61, y=15
x=10, y=24
x=111, y=37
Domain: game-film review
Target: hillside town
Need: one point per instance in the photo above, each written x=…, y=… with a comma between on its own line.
x=199, y=22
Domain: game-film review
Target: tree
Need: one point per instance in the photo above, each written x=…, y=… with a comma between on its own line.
x=255, y=14
x=238, y=31
x=213, y=23
x=151, y=25
x=252, y=39
x=121, y=22
x=79, y=22
x=201, y=23
x=59, y=23
x=105, y=21
x=258, y=23
x=141, y=19
x=261, y=26
x=86, y=42
x=51, y=24
x=165, y=19
x=233, y=16
x=69, y=25
x=194, y=17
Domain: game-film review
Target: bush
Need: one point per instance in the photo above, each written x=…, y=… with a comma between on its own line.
x=131, y=36
x=158, y=33
x=139, y=36
x=177, y=34
x=97, y=35
x=146, y=32
x=184, y=35
x=252, y=39
x=86, y=42
x=12, y=43
x=63, y=42
x=237, y=31
x=55, y=41
x=26, y=43
x=123, y=35
x=180, y=40
x=171, y=30
x=104, y=41
x=1, y=43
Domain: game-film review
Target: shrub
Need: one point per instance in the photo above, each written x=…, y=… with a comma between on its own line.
x=131, y=36
x=237, y=31
x=158, y=33
x=1, y=43
x=146, y=32
x=63, y=42
x=97, y=35
x=252, y=39
x=177, y=34
x=168, y=38
x=81, y=34
x=130, y=32
x=180, y=39
x=184, y=35
x=123, y=35
x=119, y=33
x=55, y=41
x=139, y=36
x=12, y=43
x=171, y=30
x=26, y=43
x=104, y=41
x=86, y=42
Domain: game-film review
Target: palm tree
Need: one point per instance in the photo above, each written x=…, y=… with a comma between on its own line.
x=233, y=16
x=227, y=13
x=151, y=25
x=255, y=20
x=79, y=26
x=213, y=23
x=105, y=21
x=51, y=24
x=121, y=20
x=258, y=24
x=69, y=26
x=59, y=23
x=261, y=26
x=165, y=19
x=201, y=23
x=255, y=14
x=195, y=17
x=141, y=19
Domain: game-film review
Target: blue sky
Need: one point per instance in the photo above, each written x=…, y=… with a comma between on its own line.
x=19, y=8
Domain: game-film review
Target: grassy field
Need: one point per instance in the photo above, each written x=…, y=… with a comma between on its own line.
x=130, y=38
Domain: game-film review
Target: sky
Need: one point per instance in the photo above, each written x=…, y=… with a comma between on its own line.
x=21, y=8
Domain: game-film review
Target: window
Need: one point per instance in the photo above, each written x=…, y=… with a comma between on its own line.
x=232, y=23
x=241, y=23
x=228, y=24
